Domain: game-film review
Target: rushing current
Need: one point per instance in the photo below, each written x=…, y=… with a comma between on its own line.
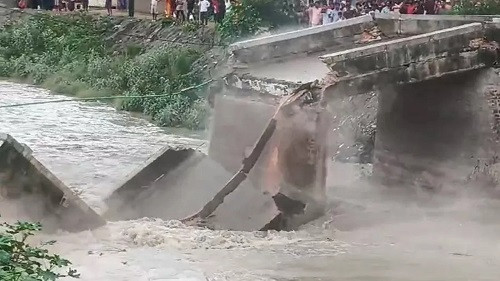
x=92, y=147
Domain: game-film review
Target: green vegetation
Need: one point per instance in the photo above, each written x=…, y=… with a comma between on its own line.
x=70, y=55
x=19, y=261
x=249, y=17
x=483, y=7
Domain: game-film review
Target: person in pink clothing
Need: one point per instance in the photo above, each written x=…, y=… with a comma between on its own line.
x=215, y=5
x=315, y=15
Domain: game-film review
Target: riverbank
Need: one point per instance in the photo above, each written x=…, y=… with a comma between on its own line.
x=92, y=56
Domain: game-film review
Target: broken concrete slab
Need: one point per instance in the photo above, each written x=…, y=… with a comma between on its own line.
x=290, y=164
x=39, y=194
x=154, y=169
x=175, y=184
x=236, y=125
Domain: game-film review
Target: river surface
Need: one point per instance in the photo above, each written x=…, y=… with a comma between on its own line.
x=91, y=147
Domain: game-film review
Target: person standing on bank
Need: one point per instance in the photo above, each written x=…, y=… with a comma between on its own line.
x=222, y=11
x=154, y=9
x=190, y=8
x=108, y=7
x=85, y=4
x=179, y=10
x=204, y=5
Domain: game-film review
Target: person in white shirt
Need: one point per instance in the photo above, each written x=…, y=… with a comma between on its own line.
x=328, y=16
x=336, y=13
x=154, y=9
x=204, y=5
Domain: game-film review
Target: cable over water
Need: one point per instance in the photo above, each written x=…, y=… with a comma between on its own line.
x=108, y=98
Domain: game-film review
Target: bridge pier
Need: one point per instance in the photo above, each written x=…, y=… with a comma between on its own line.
x=433, y=132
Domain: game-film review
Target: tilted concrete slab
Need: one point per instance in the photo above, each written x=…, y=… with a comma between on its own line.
x=236, y=125
x=177, y=183
x=291, y=163
x=152, y=170
x=37, y=193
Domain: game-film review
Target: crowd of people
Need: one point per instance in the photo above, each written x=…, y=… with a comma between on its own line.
x=309, y=13
x=313, y=14
x=201, y=10
x=323, y=12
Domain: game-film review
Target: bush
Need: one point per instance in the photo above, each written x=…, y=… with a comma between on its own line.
x=19, y=261
x=69, y=54
x=484, y=7
x=273, y=13
x=248, y=17
x=241, y=21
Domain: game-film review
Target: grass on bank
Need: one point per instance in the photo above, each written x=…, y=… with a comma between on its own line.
x=21, y=261
x=69, y=55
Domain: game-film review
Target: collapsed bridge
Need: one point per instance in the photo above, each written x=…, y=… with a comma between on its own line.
x=416, y=95
x=410, y=94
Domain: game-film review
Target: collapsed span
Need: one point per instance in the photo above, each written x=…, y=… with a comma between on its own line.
x=283, y=191
x=29, y=187
x=177, y=182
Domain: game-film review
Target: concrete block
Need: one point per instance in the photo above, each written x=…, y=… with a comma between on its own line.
x=236, y=125
x=154, y=169
x=38, y=194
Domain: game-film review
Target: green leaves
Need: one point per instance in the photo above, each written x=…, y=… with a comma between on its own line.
x=69, y=54
x=241, y=21
x=486, y=7
x=20, y=261
x=248, y=17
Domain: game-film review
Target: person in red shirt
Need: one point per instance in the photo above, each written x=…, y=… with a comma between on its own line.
x=408, y=7
x=21, y=4
x=215, y=5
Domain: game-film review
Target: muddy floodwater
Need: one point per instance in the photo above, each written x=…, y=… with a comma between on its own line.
x=366, y=235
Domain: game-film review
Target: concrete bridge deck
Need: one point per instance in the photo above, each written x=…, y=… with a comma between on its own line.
x=414, y=104
x=277, y=63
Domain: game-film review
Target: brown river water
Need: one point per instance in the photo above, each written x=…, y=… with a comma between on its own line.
x=365, y=236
